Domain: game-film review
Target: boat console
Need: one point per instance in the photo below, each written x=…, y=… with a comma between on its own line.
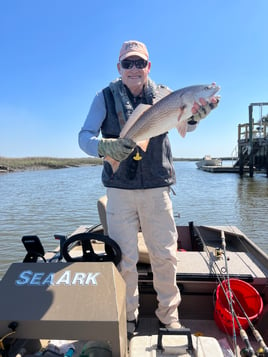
x=65, y=301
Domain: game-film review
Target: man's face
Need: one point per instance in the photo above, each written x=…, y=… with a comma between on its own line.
x=134, y=77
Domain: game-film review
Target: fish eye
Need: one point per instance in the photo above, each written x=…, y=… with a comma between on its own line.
x=212, y=85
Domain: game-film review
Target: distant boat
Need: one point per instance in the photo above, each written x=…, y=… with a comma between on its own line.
x=208, y=161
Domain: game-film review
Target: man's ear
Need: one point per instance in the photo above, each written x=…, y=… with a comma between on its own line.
x=119, y=67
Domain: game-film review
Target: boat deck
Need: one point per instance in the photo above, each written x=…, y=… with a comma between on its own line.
x=150, y=326
x=198, y=274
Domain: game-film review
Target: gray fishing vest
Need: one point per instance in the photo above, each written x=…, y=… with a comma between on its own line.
x=155, y=169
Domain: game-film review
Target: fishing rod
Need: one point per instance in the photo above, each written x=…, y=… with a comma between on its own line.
x=242, y=332
x=230, y=301
x=263, y=350
x=254, y=331
x=249, y=351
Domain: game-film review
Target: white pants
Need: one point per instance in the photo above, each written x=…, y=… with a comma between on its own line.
x=150, y=209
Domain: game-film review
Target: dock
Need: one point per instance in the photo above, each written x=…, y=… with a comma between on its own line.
x=223, y=169
x=252, y=146
x=253, y=142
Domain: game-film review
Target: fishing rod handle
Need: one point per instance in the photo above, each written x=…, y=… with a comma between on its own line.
x=245, y=338
x=223, y=239
x=260, y=340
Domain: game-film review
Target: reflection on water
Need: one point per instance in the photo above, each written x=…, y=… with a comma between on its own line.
x=57, y=201
x=253, y=203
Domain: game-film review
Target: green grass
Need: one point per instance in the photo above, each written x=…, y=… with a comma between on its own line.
x=38, y=163
x=35, y=163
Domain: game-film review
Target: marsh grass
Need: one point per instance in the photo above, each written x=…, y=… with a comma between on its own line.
x=37, y=163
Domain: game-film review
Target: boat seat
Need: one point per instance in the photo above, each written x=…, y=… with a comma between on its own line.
x=101, y=204
x=143, y=251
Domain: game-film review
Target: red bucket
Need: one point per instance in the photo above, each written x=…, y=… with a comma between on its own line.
x=249, y=299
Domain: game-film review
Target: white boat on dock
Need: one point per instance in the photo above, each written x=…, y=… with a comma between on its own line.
x=207, y=160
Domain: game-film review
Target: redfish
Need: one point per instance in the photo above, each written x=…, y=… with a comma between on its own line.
x=171, y=110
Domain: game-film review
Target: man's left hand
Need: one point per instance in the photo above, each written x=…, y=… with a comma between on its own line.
x=200, y=112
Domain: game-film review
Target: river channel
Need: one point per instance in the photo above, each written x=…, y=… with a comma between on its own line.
x=48, y=202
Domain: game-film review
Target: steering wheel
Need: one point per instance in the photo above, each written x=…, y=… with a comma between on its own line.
x=112, y=250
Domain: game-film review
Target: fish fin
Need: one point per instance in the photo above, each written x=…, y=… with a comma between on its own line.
x=182, y=128
x=114, y=164
x=143, y=144
x=141, y=108
x=161, y=93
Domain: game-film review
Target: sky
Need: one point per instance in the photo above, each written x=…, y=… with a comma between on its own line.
x=55, y=55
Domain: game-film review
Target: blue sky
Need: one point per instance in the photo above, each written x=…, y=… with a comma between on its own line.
x=56, y=54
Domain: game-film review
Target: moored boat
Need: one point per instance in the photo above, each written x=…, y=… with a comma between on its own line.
x=207, y=160
x=78, y=296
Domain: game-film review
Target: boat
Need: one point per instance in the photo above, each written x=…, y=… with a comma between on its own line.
x=71, y=301
x=207, y=160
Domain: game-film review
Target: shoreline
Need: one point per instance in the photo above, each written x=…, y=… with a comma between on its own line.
x=9, y=165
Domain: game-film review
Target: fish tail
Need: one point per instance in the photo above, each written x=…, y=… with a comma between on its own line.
x=143, y=144
x=114, y=164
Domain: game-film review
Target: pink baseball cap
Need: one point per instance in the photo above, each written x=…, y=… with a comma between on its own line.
x=133, y=48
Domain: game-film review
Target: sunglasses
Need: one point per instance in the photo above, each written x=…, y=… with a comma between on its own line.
x=128, y=64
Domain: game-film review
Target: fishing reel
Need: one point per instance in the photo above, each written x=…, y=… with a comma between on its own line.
x=245, y=352
x=218, y=253
x=262, y=352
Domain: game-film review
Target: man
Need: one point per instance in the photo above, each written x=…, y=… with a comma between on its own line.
x=138, y=192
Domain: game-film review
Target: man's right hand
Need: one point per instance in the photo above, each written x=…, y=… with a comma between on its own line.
x=118, y=149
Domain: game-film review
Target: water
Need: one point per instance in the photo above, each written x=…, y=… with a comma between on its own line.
x=49, y=202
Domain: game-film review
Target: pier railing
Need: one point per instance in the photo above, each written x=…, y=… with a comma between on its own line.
x=258, y=131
